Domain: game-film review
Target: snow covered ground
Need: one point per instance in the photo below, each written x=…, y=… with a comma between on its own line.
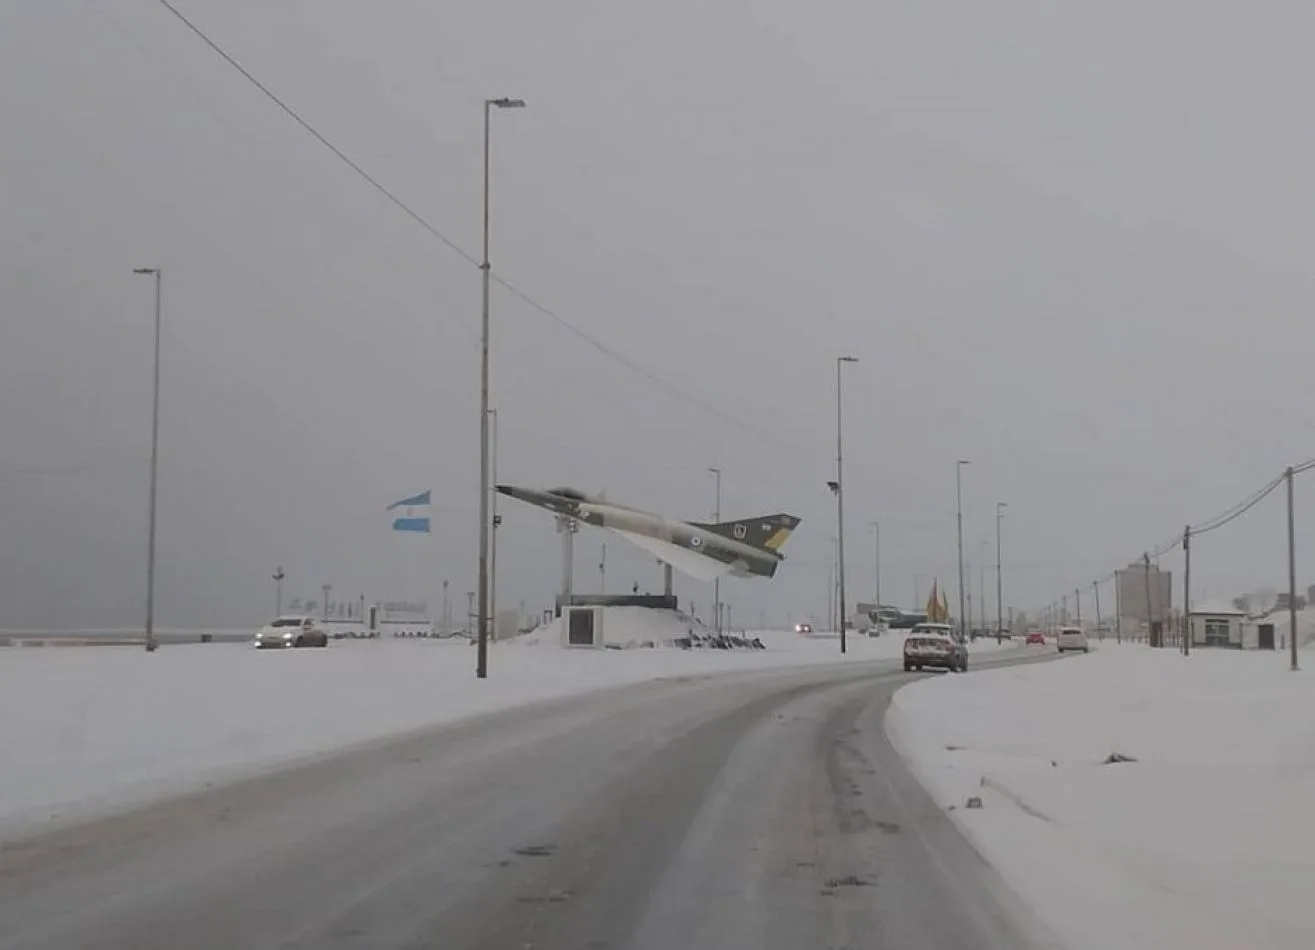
x=82, y=729
x=1206, y=841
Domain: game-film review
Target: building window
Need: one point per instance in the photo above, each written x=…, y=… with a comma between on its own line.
x=1216, y=632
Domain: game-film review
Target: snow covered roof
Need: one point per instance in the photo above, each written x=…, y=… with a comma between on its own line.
x=1217, y=608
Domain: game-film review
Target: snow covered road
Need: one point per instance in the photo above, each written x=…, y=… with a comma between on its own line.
x=1206, y=841
x=761, y=810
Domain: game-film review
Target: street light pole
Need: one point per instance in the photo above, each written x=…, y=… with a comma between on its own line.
x=1000, y=507
x=151, y=643
x=496, y=522
x=1292, y=571
x=716, y=584
x=840, y=497
x=278, y=590
x=958, y=495
x=482, y=654
x=876, y=563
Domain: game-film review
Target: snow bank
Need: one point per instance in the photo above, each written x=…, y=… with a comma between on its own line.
x=1205, y=841
x=87, y=728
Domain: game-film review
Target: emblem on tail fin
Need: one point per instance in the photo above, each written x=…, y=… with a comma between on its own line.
x=767, y=532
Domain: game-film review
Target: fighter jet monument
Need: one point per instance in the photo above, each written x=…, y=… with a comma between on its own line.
x=748, y=547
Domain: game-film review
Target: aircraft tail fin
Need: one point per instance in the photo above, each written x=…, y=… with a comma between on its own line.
x=768, y=532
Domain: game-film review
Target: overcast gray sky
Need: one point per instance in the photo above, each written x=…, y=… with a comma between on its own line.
x=1068, y=241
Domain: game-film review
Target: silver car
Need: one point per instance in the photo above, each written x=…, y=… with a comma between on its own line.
x=293, y=631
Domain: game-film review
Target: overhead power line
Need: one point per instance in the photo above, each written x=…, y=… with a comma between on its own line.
x=392, y=197
x=1239, y=509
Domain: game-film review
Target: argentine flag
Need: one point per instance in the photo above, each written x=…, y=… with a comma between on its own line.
x=415, y=517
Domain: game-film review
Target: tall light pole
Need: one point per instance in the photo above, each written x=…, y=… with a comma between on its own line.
x=958, y=495
x=278, y=576
x=151, y=643
x=1000, y=507
x=876, y=563
x=496, y=522
x=716, y=584
x=482, y=654
x=324, y=608
x=840, y=497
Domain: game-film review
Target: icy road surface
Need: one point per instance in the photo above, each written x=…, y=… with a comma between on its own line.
x=751, y=811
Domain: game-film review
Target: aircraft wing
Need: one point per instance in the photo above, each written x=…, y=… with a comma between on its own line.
x=698, y=566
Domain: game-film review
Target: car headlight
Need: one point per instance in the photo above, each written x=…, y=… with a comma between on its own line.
x=287, y=636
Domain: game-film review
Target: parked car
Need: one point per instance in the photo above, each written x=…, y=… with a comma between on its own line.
x=1071, y=638
x=803, y=628
x=296, y=630
x=1035, y=638
x=934, y=651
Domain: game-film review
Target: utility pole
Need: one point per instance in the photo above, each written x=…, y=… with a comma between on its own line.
x=958, y=495
x=324, y=607
x=1150, y=613
x=1187, y=591
x=470, y=611
x=981, y=581
x=1000, y=507
x=278, y=590
x=1292, y=573
x=602, y=570
x=482, y=654
x=840, y=498
x=1095, y=593
x=1118, y=609
x=493, y=529
x=876, y=561
x=1077, y=600
x=567, y=527
x=151, y=642
x=716, y=584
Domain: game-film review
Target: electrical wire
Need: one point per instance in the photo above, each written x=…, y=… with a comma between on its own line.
x=1239, y=510
x=392, y=197
x=1226, y=517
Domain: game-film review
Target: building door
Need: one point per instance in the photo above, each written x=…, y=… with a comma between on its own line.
x=1265, y=636
x=580, y=628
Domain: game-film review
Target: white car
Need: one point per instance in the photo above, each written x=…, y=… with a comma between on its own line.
x=296, y=630
x=1071, y=638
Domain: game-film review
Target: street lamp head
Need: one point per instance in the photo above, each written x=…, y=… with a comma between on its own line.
x=964, y=462
x=846, y=359
x=505, y=103
x=146, y=270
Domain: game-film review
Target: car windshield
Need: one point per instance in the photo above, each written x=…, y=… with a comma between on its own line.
x=287, y=622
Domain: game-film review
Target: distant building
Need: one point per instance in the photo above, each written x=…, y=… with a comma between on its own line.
x=1283, y=601
x=1131, y=587
x=1219, y=625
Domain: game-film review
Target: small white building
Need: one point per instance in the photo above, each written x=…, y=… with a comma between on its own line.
x=1221, y=625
